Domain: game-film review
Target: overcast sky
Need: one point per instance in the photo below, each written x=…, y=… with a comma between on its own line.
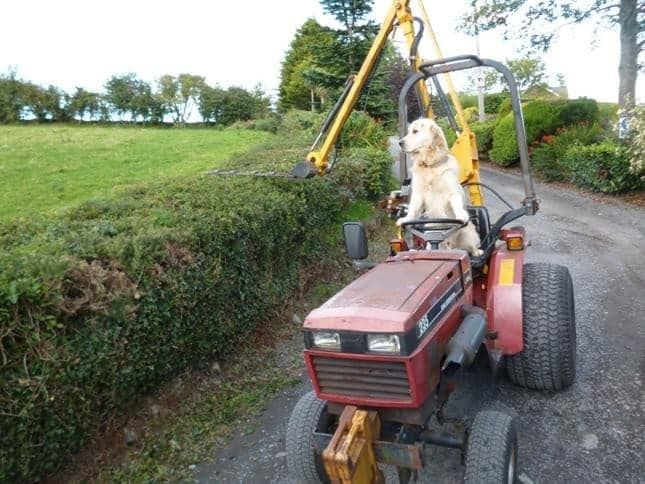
x=73, y=43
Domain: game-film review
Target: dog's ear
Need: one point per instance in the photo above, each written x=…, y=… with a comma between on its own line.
x=437, y=136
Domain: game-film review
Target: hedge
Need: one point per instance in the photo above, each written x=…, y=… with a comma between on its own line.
x=484, y=135
x=540, y=118
x=602, y=167
x=104, y=303
x=547, y=158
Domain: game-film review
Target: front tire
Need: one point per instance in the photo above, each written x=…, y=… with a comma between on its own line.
x=491, y=453
x=548, y=359
x=304, y=463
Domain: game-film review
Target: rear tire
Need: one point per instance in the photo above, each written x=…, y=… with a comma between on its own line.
x=491, y=453
x=308, y=416
x=548, y=359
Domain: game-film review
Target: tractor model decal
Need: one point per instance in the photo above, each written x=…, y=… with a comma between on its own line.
x=438, y=310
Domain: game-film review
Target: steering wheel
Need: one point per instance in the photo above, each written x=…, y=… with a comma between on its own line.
x=440, y=229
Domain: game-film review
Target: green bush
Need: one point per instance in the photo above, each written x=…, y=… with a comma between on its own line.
x=299, y=121
x=467, y=100
x=578, y=111
x=361, y=131
x=484, y=134
x=602, y=167
x=104, y=303
x=547, y=159
x=492, y=102
x=540, y=118
x=366, y=172
x=505, y=107
x=269, y=124
x=451, y=136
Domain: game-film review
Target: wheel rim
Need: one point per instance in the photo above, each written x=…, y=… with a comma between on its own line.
x=510, y=471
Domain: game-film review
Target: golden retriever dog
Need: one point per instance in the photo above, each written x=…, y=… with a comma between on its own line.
x=436, y=191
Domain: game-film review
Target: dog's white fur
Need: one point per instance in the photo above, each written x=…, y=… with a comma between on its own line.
x=436, y=191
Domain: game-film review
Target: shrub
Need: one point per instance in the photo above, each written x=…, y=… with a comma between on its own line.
x=505, y=107
x=299, y=121
x=100, y=305
x=470, y=114
x=602, y=167
x=451, y=136
x=636, y=142
x=492, y=102
x=269, y=124
x=467, y=100
x=578, y=111
x=361, y=131
x=540, y=118
x=367, y=172
x=547, y=158
x=484, y=134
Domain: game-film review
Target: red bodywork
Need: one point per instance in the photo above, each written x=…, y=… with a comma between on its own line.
x=394, y=297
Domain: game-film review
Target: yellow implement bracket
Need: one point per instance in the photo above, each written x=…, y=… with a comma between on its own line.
x=399, y=12
x=349, y=458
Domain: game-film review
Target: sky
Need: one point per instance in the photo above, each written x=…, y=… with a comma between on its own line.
x=72, y=43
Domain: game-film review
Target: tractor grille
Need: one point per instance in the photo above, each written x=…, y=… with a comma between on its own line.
x=382, y=380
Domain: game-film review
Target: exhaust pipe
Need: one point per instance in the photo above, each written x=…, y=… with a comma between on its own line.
x=464, y=344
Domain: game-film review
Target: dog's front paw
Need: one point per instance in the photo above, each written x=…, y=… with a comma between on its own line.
x=477, y=253
x=401, y=221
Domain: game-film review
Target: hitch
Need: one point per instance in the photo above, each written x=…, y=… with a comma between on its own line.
x=349, y=458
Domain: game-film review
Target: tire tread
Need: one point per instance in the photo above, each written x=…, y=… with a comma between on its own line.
x=547, y=361
x=301, y=458
x=489, y=441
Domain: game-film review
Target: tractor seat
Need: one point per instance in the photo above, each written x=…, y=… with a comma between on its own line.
x=479, y=217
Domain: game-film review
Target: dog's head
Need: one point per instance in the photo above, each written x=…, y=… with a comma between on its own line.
x=426, y=140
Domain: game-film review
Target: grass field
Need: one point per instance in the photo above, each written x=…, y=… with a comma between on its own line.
x=44, y=168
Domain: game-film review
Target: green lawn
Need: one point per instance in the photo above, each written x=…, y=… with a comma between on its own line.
x=44, y=168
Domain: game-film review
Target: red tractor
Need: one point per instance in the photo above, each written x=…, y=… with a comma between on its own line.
x=383, y=354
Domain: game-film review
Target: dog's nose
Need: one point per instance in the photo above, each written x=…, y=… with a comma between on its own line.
x=401, y=143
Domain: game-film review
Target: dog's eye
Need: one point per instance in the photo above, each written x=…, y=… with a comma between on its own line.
x=414, y=131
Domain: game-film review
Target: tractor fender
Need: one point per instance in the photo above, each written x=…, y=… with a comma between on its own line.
x=504, y=299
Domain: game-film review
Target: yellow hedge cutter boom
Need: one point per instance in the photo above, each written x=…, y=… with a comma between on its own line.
x=465, y=148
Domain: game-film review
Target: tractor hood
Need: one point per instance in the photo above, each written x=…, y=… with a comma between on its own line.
x=392, y=296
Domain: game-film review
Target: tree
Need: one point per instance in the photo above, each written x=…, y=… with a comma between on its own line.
x=224, y=107
x=119, y=93
x=46, y=104
x=528, y=72
x=11, y=97
x=627, y=14
x=210, y=103
x=311, y=64
x=352, y=14
x=83, y=102
x=490, y=80
x=179, y=93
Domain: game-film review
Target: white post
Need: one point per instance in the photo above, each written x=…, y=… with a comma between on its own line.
x=480, y=85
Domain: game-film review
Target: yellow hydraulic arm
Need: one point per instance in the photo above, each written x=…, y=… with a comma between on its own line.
x=398, y=13
x=465, y=148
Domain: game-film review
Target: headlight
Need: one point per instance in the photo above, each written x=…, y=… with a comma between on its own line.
x=383, y=343
x=327, y=341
